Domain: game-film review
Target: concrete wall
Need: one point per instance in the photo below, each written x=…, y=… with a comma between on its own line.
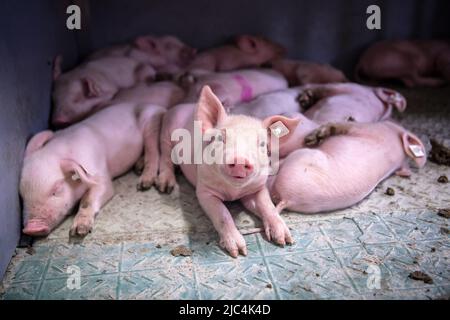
x=332, y=31
x=33, y=32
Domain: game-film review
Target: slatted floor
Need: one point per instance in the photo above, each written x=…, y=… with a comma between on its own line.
x=364, y=252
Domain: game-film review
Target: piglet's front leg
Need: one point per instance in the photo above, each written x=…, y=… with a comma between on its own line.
x=151, y=150
x=230, y=237
x=275, y=228
x=91, y=203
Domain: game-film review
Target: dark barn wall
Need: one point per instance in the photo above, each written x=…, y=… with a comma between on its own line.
x=31, y=33
x=332, y=31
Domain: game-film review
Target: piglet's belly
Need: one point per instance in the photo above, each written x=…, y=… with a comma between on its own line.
x=123, y=152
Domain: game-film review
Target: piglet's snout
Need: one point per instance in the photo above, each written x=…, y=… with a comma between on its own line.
x=239, y=168
x=35, y=227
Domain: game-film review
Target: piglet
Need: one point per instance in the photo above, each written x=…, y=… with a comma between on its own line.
x=346, y=162
x=95, y=82
x=416, y=63
x=78, y=163
x=342, y=102
x=77, y=92
x=304, y=72
x=167, y=54
x=237, y=86
x=246, y=51
x=163, y=94
x=283, y=101
x=239, y=172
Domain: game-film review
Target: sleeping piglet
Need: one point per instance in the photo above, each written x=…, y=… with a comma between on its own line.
x=246, y=52
x=166, y=54
x=164, y=94
x=348, y=163
x=282, y=101
x=239, y=173
x=416, y=63
x=78, y=163
x=77, y=92
x=340, y=102
x=304, y=72
x=237, y=86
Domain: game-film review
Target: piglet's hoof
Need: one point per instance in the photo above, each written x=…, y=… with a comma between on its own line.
x=234, y=243
x=318, y=136
x=185, y=80
x=277, y=231
x=144, y=185
x=306, y=99
x=81, y=226
x=166, y=182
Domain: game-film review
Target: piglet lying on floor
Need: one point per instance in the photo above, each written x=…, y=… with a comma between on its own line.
x=77, y=92
x=304, y=72
x=348, y=163
x=237, y=86
x=416, y=63
x=342, y=102
x=166, y=54
x=283, y=101
x=78, y=163
x=246, y=52
x=163, y=94
x=239, y=169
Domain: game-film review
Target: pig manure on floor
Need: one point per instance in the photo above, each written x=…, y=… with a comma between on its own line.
x=30, y=250
x=390, y=192
x=421, y=276
x=445, y=213
x=181, y=251
x=439, y=153
x=443, y=179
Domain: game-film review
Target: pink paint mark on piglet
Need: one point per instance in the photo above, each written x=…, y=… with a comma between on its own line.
x=247, y=92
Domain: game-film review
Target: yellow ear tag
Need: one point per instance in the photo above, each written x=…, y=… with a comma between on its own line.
x=278, y=129
x=417, y=151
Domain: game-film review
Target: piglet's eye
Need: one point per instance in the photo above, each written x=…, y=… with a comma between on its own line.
x=262, y=144
x=219, y=138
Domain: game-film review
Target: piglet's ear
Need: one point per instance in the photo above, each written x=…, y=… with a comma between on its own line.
x=57, y=67
x=391, y=98
x=90, y=88
x=74, y=171
x=210, y=110
x=281, y=126
x=147, y=44
x=248, y=44
x=414, y=148
x=38, y=141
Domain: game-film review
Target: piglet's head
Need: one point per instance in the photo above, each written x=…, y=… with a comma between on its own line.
x=74, y=99
x=262, y=50
x=50, y=187
x=238, y=146
x=165, y=51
